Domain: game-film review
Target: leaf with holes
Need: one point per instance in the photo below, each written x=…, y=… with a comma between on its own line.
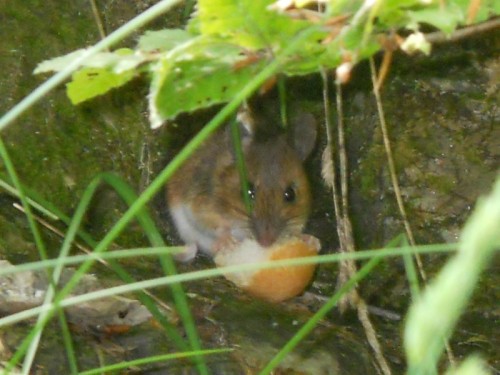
x=210, y=75
x=91, y=82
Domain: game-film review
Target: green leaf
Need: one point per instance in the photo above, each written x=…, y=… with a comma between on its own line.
x=90, y=82
x=210, y=73
x=247, y=22
x=472, y=365
x=162, y=40
x=120, y=60
x=487, y=9
x=58, y=63
x=444, y=18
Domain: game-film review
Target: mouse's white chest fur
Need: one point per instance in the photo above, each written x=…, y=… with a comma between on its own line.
x=191, y=231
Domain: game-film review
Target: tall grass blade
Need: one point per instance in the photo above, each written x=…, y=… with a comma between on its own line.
x=34, y=342
x=433, y=316
x=153, y=359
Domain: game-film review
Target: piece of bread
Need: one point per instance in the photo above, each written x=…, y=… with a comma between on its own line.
x=271, y=284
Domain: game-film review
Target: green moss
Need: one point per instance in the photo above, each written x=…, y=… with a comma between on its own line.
x=58, y=148
x=444, y=184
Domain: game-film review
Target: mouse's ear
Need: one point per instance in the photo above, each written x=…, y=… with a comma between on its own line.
x=246, y=127
x=246, y=123
x=303, y=132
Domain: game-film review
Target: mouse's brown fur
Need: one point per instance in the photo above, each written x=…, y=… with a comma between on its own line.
x=205, y=195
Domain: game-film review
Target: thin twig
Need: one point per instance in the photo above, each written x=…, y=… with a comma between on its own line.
x=472, y=10
x=52, y=228
x=14, y=192
x=354, y=297
x=328, y=170
x=342, y=149
x=392, y=166
x=371, y=336
x=459, y=34
x=344, y=228
x=347, y=268
x=98, y=19
x=384, y=68
x=329, y=175
x=395, y=184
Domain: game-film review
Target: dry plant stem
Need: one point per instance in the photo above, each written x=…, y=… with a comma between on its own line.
x=342, y=153
x=51, y=228
x=328, y=170
x=384, y=68
x=472, y=11
x=329, y=174
x=348, y=267
x=392, y=167
x=395, y=184
x=98, y=19
x=344, y=229
x=86, y=250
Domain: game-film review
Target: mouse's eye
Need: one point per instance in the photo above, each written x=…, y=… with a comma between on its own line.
x=251, y=191
x=290, y=194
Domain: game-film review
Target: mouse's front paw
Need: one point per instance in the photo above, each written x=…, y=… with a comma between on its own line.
x=187, y=253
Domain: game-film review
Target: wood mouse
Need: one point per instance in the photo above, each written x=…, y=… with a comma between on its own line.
x=205, y=195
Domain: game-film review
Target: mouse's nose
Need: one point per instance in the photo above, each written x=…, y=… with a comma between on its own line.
x=266, y=233
x=266, y=239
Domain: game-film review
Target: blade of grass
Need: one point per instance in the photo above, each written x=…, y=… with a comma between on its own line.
x=129, y=196
x=30, y=355
x=241, y=166
x=203, y=274
x=145, y=297
x=411, y=272
x=76, y=259
x=49, y=299
x=46, y=314
x=432, y=318
x=13, y=191
x=282, y=98
x=68, y=343
x=152, y=359
x=167, y=263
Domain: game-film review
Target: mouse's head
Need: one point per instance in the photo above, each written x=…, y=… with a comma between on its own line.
x=277, y=185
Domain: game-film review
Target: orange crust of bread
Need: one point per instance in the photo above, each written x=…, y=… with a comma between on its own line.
x=282, y=283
